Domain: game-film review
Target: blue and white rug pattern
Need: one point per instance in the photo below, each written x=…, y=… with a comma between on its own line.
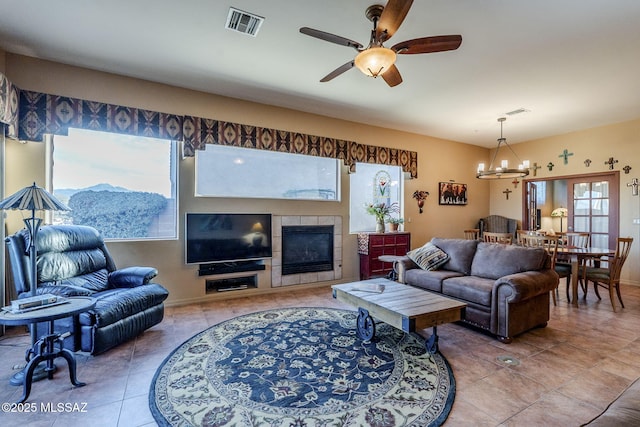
x=301, y=367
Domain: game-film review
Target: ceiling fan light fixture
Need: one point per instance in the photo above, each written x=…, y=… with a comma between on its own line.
x=375, y=60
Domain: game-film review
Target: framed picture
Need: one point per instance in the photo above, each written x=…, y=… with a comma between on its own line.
x=452, y=193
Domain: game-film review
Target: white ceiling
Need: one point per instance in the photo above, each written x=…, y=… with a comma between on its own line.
x=574, y=64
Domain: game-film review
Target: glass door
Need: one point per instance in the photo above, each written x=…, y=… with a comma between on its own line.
x=592, y=203
x=533, y=219
x=594, y=208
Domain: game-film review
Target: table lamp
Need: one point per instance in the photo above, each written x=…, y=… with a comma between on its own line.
x=560, y=212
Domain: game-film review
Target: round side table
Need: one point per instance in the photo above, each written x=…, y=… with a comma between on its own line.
x=44, y=349
x=393, y=275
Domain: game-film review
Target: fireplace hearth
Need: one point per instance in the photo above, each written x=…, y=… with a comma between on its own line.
x=329, y=276
x=307, y=249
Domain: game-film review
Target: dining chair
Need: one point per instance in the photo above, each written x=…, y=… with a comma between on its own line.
x=576, y=239
x=549, y=244
x=519, y=234
x=472, y=234
x=609, y=277
x=506, y=238
x=563, y=262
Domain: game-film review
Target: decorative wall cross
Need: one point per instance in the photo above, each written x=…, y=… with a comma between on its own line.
x=565, y=154
x=626, y=169
x=550, y=166
x=634, y=186
x=610, y=162
x=535, y=168
x=507, y=192
x=515, y=182
x=587, y=162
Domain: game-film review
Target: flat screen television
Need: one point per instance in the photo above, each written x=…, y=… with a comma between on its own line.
x=223, y=237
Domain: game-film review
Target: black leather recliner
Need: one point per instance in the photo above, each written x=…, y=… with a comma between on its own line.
x=72, y=260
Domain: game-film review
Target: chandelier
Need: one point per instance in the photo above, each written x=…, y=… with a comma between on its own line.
x=503, y=170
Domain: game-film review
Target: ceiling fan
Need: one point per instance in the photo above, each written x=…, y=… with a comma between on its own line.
x=376, y=60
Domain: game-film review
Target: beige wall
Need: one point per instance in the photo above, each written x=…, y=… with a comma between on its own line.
x=438, y=160
x=619, y=141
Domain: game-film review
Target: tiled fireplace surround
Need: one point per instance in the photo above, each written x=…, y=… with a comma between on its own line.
x=277, y=279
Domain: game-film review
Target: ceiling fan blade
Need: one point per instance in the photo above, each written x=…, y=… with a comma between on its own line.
x=428, y=45
x=392, y=16
x=392, y=76
x=335, y=73
x=330, y=38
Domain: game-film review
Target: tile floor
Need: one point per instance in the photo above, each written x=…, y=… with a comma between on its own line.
x=568, y=371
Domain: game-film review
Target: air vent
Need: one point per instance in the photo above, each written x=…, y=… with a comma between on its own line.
x=243, y=22
x=518, y=111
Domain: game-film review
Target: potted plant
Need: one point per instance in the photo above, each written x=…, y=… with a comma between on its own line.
x=381, y=211
x=394, y=223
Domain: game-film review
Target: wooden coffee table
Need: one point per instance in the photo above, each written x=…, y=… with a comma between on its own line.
x=404, y=307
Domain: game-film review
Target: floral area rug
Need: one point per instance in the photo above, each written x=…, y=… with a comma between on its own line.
x=301, y=367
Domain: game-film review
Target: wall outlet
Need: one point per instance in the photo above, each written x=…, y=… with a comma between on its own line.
x=636, y=220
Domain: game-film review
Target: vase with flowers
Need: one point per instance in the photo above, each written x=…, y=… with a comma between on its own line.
x=381, y=211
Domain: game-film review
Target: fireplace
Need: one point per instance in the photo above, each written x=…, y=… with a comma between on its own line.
x=307, y=248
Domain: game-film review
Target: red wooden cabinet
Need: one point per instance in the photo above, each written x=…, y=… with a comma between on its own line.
x=372, y=245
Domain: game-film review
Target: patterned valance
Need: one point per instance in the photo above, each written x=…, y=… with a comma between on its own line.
x=31, y=115
x=9, y=106
x=42, y=114
x=198, y=132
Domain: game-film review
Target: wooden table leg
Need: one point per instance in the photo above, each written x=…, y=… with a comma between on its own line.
x=574, y=281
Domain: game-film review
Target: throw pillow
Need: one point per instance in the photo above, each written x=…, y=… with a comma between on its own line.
x=428, y=257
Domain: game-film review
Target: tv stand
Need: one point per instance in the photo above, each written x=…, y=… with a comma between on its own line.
x=230, y=267
x=231, y=284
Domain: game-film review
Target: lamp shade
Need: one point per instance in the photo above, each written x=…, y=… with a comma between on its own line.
x=559, y=212
x=33, y=198
x=375, y=60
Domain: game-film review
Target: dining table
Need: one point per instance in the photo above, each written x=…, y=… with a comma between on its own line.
x=576, y=256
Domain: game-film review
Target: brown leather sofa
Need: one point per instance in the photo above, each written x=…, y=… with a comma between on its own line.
x=506, y=287
x=624, y=411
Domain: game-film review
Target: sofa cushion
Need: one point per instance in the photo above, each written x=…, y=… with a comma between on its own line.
x=66, y=290
x=460, y=253
x=91, y=282
x=469, y=288
x=495, y=260
x=54, y=266
x=428, y=257
x=65, y=239
x=116, y=304
x=430, y=280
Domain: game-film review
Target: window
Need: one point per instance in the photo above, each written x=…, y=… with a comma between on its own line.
x=124, y=186
x=373, y=184
x=541, y=193
x=223, y=171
